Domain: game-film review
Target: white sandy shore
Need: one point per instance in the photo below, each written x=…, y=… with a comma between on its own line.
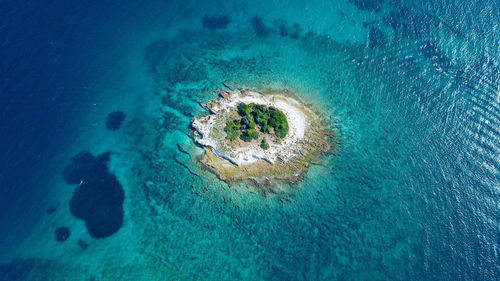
x=251, y=152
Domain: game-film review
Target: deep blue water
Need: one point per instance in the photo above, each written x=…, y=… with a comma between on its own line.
x=411, y=88
x=45, y=66
x=51, y=54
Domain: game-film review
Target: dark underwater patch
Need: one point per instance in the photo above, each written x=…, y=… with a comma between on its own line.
x=62, y=234
x=368, y=5
x=376, y=38
x=483, y=73
x=433, y=53
x=170, y=121
x=261, y=30
x=51, y=209
x=85, y=166
x=430, y=50
x=155, y=53
x=169, y=64
x=293, y=31
x=98, y=199
x=396, y=18
x=20, y=269
x=283, y=31
x=409, y=23
x=215, y=22
x=177, y=103
x=84, y=245
x=115, y=120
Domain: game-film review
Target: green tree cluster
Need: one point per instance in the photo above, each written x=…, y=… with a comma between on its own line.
x=266, y=118
x=264, y=144
x=277, y=120
x=232, y=129
x=244, y=109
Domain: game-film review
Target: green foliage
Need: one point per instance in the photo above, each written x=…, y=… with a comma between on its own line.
x=281, y=132
x=265, y=129
x=232, y=129
x=249, y=135
x=277, y=120
x=258, y=107
x=259, y=113
x=245, y=122
x=253, y=133
x=245, y=137
x=264, y=144
x=244, y=109
x=254, y=115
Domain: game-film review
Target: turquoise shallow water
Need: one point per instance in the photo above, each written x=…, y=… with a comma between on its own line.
x=411, y=90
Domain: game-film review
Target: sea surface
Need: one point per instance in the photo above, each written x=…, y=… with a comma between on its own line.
x=99, y=176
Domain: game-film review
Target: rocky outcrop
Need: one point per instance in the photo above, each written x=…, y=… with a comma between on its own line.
x=286, y=160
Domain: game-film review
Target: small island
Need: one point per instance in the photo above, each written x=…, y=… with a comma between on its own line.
x=260, y=137
x=257, y=118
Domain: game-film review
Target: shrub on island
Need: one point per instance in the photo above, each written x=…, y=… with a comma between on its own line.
x=243, y=109
x=249, y=135
x=277, y=120
x=232, y=129
x=263, y=144
x=253, y=115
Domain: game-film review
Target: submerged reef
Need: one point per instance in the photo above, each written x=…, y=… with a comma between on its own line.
x=51, y=209
x=296, y=136
x=115, y=120
x=260, y=28
x=85, y=166
x=293, y=31
x=376, y=38
x=98, y=199
x=62, y=234
x=215, y=22
x=432, y=52
x=84, y=245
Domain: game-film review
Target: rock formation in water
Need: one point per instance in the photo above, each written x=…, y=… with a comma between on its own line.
x=233, y=156
x=115, y=119
x=215, y=22
x=62, y=234
x=98, y=198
